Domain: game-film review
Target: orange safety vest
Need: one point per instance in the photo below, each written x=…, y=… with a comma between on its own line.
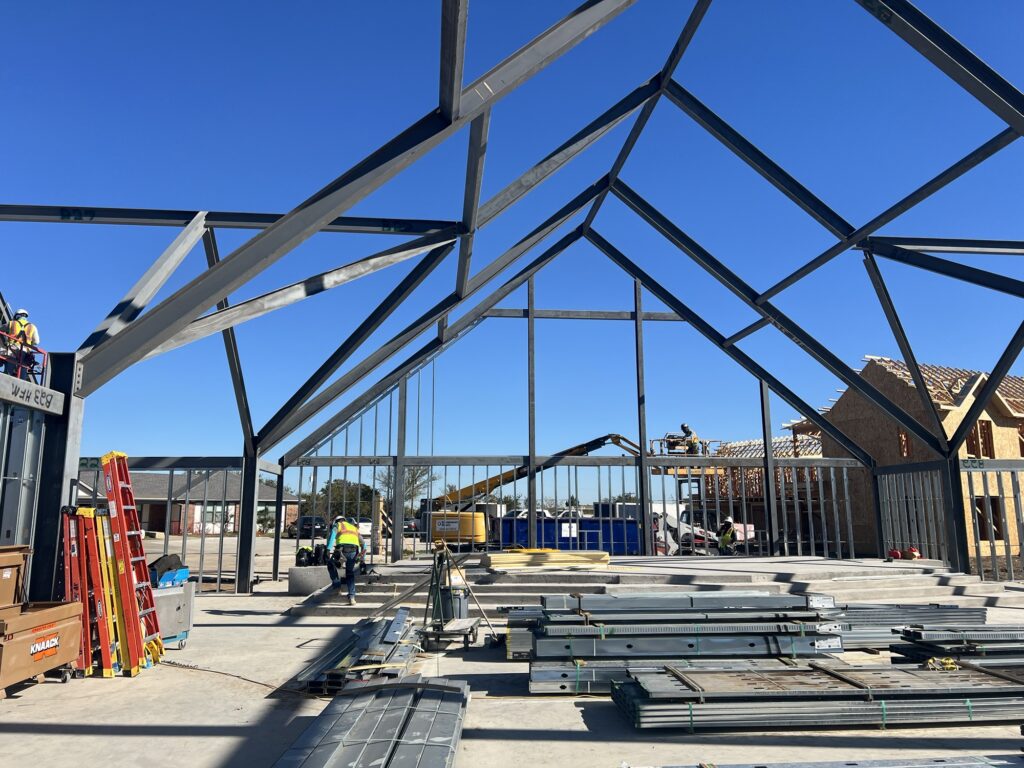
x=23, y=331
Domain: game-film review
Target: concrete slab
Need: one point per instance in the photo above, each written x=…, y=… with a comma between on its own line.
x=220, y=703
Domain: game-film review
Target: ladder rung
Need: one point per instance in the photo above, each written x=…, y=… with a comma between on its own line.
x=134, y=533
x=138, y=559
x=154, y=636
x=146, y=612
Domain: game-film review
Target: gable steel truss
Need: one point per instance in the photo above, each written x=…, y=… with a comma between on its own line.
x=133, y=331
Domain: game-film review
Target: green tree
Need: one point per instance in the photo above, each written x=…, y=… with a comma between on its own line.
x=417, y=482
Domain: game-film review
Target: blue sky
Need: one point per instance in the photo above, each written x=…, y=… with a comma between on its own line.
x=254, y=106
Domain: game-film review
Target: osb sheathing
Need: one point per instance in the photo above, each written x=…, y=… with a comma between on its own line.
x=870, y=428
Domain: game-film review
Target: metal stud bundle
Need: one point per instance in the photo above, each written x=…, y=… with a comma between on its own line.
x=372, y=648
x=817, y=696
x=990, y=645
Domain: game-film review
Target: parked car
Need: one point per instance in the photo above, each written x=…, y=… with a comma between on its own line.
x=307, y=526
x=411, y=526
x=365, y=527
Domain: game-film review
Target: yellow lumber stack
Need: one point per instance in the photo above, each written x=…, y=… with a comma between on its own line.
x=544, y=558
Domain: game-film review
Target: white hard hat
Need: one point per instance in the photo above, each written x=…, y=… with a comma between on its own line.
x=727, y=520
x=21, y=312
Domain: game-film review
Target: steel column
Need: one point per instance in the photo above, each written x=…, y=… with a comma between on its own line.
x=245, y=526
x=398, y=482
x=531, y=406
x=643, y=482
x=58, y=476
x=955, y=517
x=278, y=525
x=771, y=517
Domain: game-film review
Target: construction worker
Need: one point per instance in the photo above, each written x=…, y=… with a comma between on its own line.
x=344, y=542
x=691, y=443
x=22, y=339
x=726, y=537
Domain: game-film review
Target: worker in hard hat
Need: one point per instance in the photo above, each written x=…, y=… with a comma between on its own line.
x=726, y=537
x=22, y=339
x=344, y=543
x=691, y=443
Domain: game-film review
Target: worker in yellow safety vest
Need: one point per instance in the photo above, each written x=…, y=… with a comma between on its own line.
x=726, y=537
x=21, y=340
x=345, y=543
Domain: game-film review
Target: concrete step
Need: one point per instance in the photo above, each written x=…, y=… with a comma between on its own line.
x=855, y=586
x=1011, y=599
x=482, y=589
x=712, y=577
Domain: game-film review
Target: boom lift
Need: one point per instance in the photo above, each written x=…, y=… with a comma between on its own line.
x=464, y=498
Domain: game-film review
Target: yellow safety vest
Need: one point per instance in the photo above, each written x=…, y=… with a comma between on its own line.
x=23, y=331
x=348, y=535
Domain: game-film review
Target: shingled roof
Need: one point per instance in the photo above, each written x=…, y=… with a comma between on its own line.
x=949, y=387
x=152, y=486
x=782, y=448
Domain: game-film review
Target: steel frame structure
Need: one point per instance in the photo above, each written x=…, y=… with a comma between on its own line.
x=133, y=330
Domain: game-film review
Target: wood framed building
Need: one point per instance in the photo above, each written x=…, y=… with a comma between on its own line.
x=998, y=435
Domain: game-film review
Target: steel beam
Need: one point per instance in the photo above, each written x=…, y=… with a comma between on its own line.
x=988, y=389
x=312, y=215
x=780, y=320
x=362, y=332
x=478, y=131
x=231, y=351
x=952, y=57
x=229, y=317
x=954, y=245
x=742, y=333
x=458, y=328
x=160, y=217
x=453, y=56
x=582, y=314
x=756, y=159
x=716, y=338
x=431, y=316
x=875, y=275
x=146, y=287
x=675, y=56
x=953, y=269
x=569, y=149
x=926, y=190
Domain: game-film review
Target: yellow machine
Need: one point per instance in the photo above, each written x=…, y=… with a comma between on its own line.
x=454, y=527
